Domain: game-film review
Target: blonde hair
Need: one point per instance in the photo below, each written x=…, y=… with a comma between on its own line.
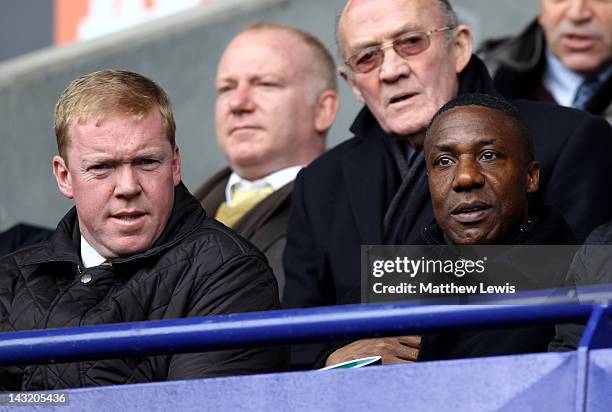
x=105, y=92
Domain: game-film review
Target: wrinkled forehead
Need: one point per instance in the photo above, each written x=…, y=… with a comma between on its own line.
x=261, y=51
x=367, y=22
x=97, y=117
x=86, y=126
x=89, y=121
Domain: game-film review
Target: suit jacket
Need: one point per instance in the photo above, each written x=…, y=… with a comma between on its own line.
x=265, y=225
x=340, y=200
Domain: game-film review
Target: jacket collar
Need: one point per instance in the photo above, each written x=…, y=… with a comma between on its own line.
x=522, y=53
x=64, y=244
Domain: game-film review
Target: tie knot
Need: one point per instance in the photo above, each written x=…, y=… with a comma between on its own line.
x=251, y=195
x=243, y=200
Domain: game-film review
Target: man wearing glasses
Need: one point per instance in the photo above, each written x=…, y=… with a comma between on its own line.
x=404, y=60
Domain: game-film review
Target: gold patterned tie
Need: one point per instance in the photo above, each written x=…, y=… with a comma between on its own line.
x=242, y=202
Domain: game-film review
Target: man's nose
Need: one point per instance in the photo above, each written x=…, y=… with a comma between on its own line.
x=468, y=176
x=241, y=99
x=393, y=66
x=127, y=183
x=579, y=10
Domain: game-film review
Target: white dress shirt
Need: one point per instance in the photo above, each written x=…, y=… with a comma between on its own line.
x=560, y=81
x=89, y=255
x=277, y=180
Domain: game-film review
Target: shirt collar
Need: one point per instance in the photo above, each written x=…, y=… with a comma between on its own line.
x=89, y=255
x=560, y=81
x=277, y=180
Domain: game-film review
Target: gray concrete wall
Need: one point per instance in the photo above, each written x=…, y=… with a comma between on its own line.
x=180, y=53
x=17, y=37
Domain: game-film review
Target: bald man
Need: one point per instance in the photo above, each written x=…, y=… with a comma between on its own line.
x=276, y=100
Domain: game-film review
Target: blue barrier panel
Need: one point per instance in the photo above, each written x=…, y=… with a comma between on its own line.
x=266, y=328
x=540, y=381
x=599, y=380
x=598, y=331
x=524, y=382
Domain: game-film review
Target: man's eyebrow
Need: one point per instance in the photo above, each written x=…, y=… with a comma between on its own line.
x=225, y=79
x=100, y=158
x=148, y=153
x=487, y=142
x=405, y=28
x=232, y=78
x=103, y=158
x=444, y=147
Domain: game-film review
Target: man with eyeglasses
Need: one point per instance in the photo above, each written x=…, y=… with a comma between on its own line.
x=404, y=59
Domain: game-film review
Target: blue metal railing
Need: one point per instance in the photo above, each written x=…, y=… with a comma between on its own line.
x=269, y=328
x=578, y=380
x=305, y=325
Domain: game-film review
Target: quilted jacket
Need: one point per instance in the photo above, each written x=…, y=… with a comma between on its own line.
x=197, y=267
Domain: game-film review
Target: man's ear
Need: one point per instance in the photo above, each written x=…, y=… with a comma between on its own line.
x=326, y=108
x=462, y=44
x=533, y=177
x=176, y=166
x=62, y=176
x=346, y=74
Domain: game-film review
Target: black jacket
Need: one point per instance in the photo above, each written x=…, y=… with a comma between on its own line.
x=591, y=266
x=196, y=268
x=340, y=200
x=22, y=235
x=546, y=227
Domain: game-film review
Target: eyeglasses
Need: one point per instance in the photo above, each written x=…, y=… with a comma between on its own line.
x=408, y=44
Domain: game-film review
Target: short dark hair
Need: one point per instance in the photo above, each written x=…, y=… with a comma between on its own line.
x=492, y=102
